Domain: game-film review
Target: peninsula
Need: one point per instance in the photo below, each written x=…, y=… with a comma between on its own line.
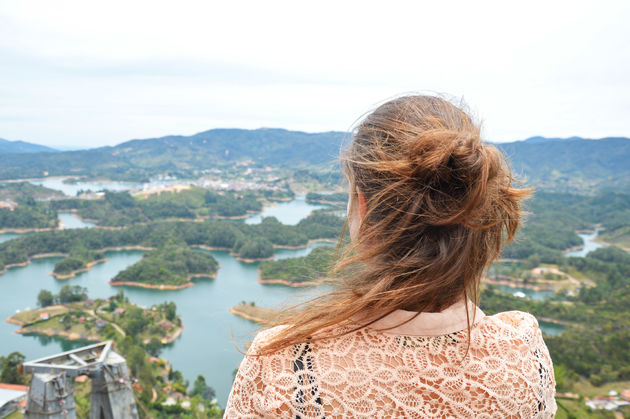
x=97, y=320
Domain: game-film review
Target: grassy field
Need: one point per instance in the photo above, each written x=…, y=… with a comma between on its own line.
x=620, y=237
x=32, y=316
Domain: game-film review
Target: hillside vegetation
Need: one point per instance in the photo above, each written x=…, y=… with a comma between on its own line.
x=169, y=265
x=246, y=241
x=572, y=165
x=134, y=159
x=121, y=209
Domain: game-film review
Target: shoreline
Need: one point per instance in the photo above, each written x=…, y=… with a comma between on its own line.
x=308, y=243
x=147, y=248
x=554, y=321
x=63, y=277
x=71, y=336
x=164, y=287
x=30, y=259
x=247, y=316
x=25, y=230
x=287, y=283
x=63, y=255
x=204, y=247
x=260, y=315
x=254, y=260
x=572, y=249
x=324, y=202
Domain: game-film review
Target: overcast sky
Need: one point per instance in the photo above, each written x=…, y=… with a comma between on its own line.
x=85, y=74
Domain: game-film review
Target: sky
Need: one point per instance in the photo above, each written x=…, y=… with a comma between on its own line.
x=86, y=74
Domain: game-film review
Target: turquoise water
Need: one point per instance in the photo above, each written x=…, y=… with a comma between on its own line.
x=7, y=236
x=589, y=245
x=67, y=220
x=207, y=345
x=70, y=220
x=551, y=329
x=539, y=295
x=287, y=212
x=71, y=189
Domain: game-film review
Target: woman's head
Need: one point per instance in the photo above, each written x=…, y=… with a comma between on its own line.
x=438, y=203
x=430, y=207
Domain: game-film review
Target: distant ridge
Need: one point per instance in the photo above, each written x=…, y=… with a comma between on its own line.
x=7, y=146
x=566, y=165
x=539, y=139
x=135, y=159
x=573, y=164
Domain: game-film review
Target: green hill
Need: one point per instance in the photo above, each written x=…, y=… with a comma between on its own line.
x=573, y=164
x=136, y=159
x=563, y=165
x=7, y=146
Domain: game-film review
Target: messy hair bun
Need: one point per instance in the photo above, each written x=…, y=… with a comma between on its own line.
x=440, y=204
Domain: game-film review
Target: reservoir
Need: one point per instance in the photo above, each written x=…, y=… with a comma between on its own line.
x=212, y=336
x=589, y=245
x=536, y=295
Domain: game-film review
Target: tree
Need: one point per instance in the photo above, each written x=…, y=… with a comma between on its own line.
x=175, y=376
x=69, y=294
x=45, y=298
x=201, y=388
x=171, y=311
x=9, y=368
x=136, y=321
x=154, y=347
x=112, y=306
x=66, y=321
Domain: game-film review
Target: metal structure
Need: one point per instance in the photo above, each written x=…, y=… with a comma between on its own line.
x=51, y=391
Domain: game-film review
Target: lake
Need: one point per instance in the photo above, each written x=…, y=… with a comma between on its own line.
x=536, y=295
x=207, y=345
x=71, y=189
x=212, y=334
x=589, y=245
x=66, y=220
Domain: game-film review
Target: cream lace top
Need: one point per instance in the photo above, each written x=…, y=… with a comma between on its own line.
x=416, y=370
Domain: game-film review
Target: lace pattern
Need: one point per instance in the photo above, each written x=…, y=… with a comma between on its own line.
x=507, y=373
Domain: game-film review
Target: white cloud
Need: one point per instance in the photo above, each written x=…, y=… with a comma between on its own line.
x=100, y=73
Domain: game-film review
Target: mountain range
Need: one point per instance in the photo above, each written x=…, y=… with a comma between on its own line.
x=569, y=164
x=7, y=146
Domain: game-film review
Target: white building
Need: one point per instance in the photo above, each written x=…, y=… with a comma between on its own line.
x=12, y=396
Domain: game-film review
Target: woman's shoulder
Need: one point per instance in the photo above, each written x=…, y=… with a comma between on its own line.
x=515, y=318
x=514, y=324
x=262, y=337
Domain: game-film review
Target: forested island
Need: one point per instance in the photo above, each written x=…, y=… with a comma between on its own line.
x=118, y=209
x=78, y=260
x=247, y=242
x=309, y=270
x=171, y=266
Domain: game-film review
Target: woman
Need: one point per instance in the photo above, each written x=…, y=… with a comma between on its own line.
x=401, y=335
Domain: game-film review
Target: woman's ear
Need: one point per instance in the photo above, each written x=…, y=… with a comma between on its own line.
x=362, y=203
